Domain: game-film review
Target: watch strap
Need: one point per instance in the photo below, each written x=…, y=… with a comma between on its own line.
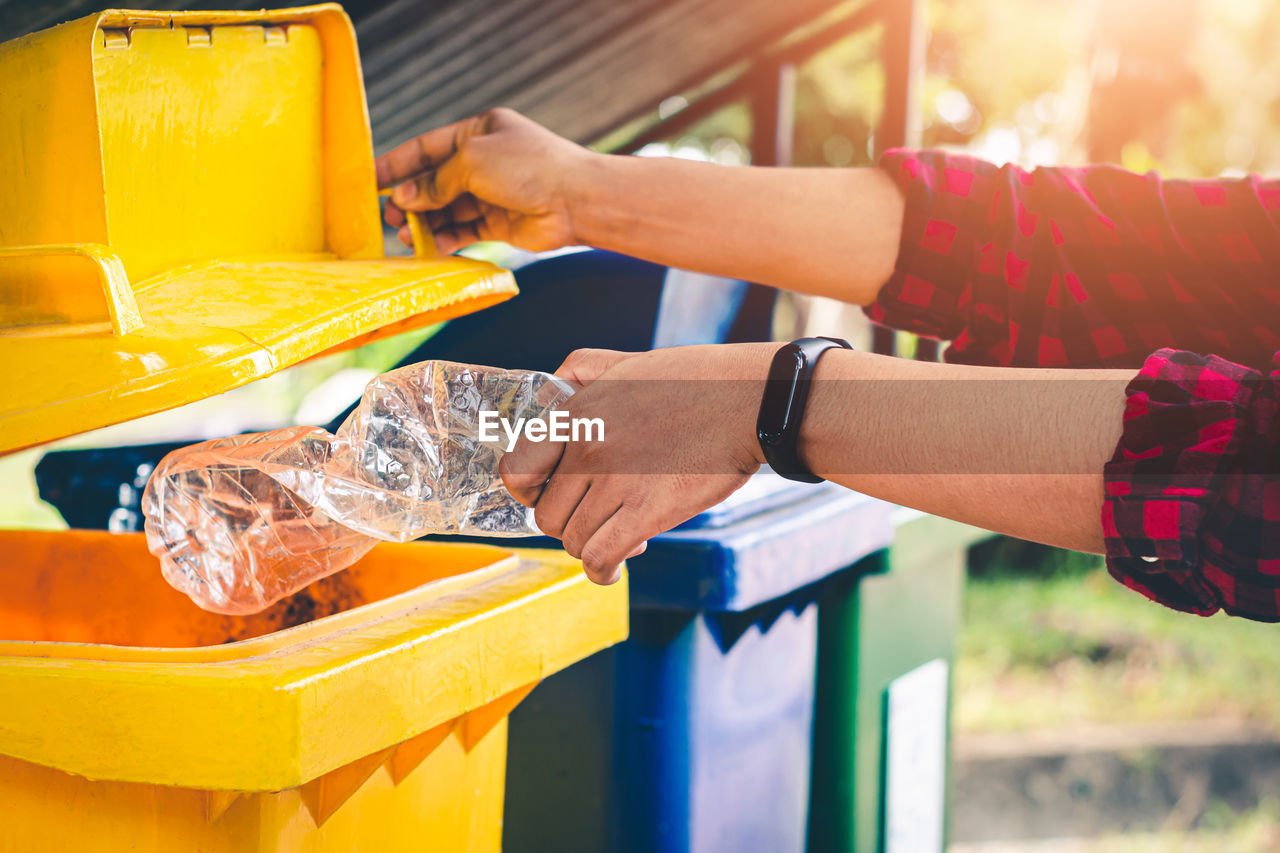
x=782, y=407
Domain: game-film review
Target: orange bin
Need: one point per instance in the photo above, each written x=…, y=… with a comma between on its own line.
x=368, y=711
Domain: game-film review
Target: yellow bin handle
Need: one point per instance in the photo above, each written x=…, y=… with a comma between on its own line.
x=424, y=244
x=33, y=306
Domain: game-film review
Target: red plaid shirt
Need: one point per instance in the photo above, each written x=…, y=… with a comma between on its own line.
x=1098, y=267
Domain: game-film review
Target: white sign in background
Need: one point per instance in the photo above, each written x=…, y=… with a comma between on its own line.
x=915, y=766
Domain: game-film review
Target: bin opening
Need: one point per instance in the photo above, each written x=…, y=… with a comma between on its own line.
x=103, y=588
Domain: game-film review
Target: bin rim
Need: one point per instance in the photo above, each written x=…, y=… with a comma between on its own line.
x=284, y=712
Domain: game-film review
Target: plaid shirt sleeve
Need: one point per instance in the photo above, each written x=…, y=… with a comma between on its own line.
x=1191, y=515
x=1099, y=267
x=1093, y=267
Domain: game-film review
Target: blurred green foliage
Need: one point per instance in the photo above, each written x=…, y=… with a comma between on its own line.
x=1042, y=650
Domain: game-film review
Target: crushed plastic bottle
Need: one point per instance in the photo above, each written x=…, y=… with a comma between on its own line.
x=239, y=523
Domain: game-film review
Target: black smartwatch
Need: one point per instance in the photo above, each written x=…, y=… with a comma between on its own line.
x=782, y=408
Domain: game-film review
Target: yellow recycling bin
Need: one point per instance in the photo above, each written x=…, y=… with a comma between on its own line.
x=188, y=203
x=367, y=712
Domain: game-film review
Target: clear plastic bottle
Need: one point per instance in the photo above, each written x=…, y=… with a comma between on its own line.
x=239, y=523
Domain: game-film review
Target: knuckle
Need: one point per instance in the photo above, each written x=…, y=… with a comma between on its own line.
x=575, y=357
x=495, y=116
x=512, y=477
x=599, y=567
x=465, y=159
x=422, y=144
x=548, y=521
x=595, y=558
x=591, y=558
x=636, y=501
x=462, y=132
x=522, y=490
x=593, y=455
x=522, y=496
x=586, y=364
x=573, y=540
x=602, y=553
x=505, y=471
x=597, y=356
x=429, y=185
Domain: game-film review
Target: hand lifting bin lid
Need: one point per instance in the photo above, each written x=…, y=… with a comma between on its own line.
x=190, y=204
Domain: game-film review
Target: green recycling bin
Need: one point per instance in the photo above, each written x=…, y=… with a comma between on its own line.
x=886, y=646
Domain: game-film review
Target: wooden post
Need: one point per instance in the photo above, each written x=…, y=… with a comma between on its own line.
x=902, y=48
x=773, y=128
x=773, y=116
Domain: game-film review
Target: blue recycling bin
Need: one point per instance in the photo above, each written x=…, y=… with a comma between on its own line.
x=695, y=734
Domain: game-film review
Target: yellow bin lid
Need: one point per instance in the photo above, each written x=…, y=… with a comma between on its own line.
x=189, y=204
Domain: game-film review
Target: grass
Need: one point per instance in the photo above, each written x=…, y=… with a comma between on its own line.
x=1046, y=647
x=1050, y=642
x=1223, y=831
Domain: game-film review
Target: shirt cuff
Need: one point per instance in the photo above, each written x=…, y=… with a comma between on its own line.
x=1186, y=420
x=929, y=285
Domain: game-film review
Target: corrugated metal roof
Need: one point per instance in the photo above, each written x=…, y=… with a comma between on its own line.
x=582, y=67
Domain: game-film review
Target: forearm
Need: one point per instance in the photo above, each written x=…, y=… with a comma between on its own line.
x=828, y=232
x=1018, y=451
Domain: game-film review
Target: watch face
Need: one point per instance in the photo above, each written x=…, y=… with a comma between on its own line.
x=779, y=392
